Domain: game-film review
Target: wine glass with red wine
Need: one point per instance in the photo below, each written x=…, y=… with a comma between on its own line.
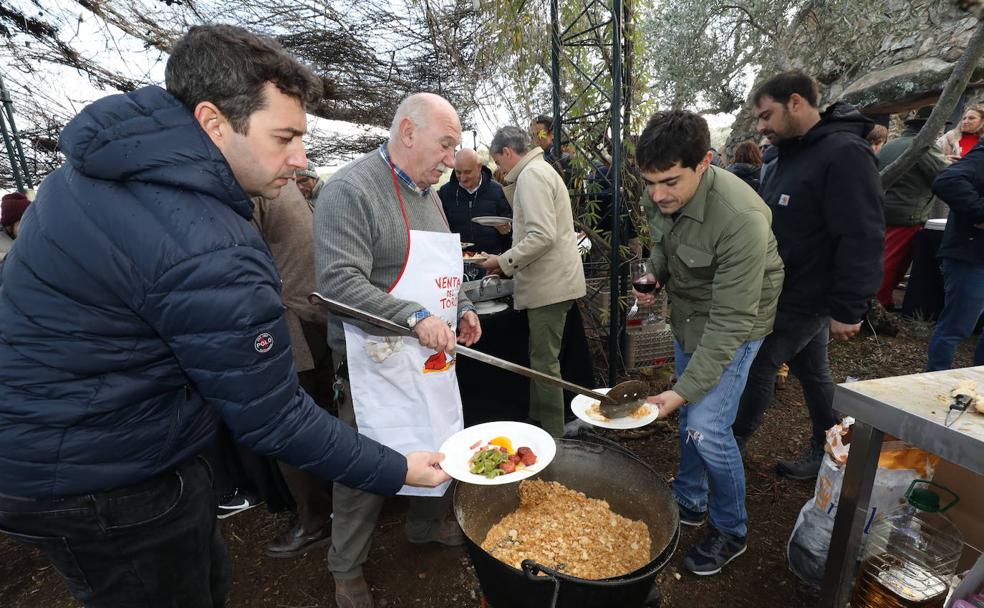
x=644, y=281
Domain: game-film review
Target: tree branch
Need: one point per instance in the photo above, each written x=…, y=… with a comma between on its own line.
x=954, y=88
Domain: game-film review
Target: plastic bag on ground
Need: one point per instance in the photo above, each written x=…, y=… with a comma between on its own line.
x=898, y=464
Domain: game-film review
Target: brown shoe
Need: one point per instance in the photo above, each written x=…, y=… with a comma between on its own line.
x=449, y=535
x=296, y=542
x=781, y=376
x=353, y=593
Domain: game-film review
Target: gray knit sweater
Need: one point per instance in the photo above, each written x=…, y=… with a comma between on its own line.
x=360, y=240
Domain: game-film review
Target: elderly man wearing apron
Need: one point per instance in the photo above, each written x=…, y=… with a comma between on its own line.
x=382, y=244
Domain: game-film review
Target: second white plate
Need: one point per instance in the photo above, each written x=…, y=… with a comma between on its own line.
x=581, y=403
x=490, y=307
x=491, y=220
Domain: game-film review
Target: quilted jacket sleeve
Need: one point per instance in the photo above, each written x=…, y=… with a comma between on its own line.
x=221, y=314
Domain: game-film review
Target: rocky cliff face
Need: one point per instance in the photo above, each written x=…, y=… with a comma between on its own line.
x=907, y=72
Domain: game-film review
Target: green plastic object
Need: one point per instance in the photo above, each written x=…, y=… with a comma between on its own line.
x=923, y=498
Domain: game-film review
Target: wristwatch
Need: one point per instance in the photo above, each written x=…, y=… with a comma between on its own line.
x=417, y=317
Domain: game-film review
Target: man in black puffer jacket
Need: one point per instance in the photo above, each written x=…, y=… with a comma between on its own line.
x=825, y=195
x=139, y=307
x=472, y=193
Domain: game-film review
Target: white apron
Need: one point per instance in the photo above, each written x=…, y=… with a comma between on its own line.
x=410, y=401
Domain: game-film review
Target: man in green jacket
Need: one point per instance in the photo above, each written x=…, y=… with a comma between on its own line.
x=907, y=204
x=714, y=251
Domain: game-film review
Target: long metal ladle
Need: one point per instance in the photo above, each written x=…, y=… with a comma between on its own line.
x=621, y=400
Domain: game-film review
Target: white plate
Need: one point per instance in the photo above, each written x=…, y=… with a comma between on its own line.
x=457, y=450
x=465, y=245
x=583, y=243
x=491, y=220
x=490, y=307
x=475, y=259
x=581, y=403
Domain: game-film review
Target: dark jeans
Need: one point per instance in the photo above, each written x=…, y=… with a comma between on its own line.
x=801, y=341
x=152, y=545
x=963, y=305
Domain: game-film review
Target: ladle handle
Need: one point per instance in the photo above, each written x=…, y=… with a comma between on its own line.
x=532, y=569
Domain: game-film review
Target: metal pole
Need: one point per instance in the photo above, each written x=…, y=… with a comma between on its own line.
x=852, y=510
x=614, y=179
x=10, y=152
x=9, y=107
x=555, y=75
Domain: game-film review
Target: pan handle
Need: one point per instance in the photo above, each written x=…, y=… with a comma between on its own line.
x=596, y=439
x=532, y=569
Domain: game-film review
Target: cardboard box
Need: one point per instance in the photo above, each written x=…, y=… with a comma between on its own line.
x=968, y=514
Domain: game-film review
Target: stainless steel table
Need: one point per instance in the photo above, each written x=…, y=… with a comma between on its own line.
x=911, y=408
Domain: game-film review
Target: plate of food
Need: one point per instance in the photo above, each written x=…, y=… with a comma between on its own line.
x=497, y=453
x=588, y=410
x=470, y=257
x=491, y=220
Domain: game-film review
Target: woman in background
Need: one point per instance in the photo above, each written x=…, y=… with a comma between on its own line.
x=748, y=163
x=955, y=144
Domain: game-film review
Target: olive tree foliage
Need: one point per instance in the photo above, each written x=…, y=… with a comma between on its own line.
x=519, y=45
x=369, y=56
x=703, y=55
x=831, y=40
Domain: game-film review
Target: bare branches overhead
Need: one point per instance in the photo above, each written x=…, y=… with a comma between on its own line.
x=369, y=55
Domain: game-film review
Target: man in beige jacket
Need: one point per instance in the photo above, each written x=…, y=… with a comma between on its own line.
x=543, y=260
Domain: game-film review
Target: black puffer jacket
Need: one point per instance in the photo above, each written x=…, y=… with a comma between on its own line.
x=461, y=207
x=826, y=201
x=139, y=307
x=748, y=172
x=961, y=186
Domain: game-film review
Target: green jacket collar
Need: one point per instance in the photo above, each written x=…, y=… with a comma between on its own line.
x=698, y=204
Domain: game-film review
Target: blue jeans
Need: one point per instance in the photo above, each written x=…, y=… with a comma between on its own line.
x=155, y=544
x=963, y=304
x=711, y=476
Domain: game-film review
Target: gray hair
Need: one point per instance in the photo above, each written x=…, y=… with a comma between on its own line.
x=417, y=108
x=514, y=138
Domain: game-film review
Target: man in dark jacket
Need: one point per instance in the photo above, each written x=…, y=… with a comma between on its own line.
x=907, y=204
x=139, y=308
x=825, y=196
x=542, y=133
x=472, y=193
x=961, y=187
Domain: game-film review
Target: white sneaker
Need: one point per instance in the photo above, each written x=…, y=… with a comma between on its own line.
x=237, y=502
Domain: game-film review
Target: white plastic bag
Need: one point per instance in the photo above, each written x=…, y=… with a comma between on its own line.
x=899, y=464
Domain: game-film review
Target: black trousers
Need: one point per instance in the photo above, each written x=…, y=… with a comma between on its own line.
x=152, y=545
x=801, y=341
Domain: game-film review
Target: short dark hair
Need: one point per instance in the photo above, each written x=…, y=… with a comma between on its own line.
x=229, y=66
x=782, y=86
x=748, y=152
x=677, y=135
x=546, y=121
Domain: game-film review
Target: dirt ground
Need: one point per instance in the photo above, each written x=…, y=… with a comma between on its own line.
x=404, y=575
